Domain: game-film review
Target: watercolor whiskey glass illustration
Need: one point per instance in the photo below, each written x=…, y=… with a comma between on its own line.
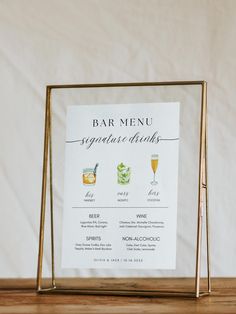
x=123, y=174
x=154, y=165
x=89, y=175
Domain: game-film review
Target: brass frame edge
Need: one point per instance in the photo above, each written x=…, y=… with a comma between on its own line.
x=200, y=191
x=43, y=194
x=120, y=84
x=51, y=194
x=207, y=203
x=123, y=292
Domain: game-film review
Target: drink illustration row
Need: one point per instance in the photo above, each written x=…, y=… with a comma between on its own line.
x=123, y=173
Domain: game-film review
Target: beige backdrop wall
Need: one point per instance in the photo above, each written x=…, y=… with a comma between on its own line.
x=65, y=41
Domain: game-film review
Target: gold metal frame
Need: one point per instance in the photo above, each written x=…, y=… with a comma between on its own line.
x=202, y=199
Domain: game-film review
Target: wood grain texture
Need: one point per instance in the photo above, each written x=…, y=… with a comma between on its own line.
x=19, y=296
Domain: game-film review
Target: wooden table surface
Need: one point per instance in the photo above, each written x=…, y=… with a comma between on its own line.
x=19, y=296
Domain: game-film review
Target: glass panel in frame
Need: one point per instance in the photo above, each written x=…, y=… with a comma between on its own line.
x=191, y=98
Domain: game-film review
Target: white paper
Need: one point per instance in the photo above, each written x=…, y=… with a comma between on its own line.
x=118, y=215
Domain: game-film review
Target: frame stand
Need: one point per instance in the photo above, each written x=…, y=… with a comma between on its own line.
x=202, y=204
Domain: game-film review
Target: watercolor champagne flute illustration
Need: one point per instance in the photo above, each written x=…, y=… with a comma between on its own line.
x=123, y=174
x=154, y=165
x=89, y=175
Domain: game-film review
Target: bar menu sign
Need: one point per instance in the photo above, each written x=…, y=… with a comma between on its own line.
x=120, y=186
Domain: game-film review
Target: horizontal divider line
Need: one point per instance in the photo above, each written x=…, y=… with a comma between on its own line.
x=119, y=207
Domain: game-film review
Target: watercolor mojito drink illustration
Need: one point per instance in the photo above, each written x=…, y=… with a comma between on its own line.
x=123, y=174
x=89, y=175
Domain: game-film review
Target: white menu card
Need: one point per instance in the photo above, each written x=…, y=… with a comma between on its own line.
x=120, y=188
